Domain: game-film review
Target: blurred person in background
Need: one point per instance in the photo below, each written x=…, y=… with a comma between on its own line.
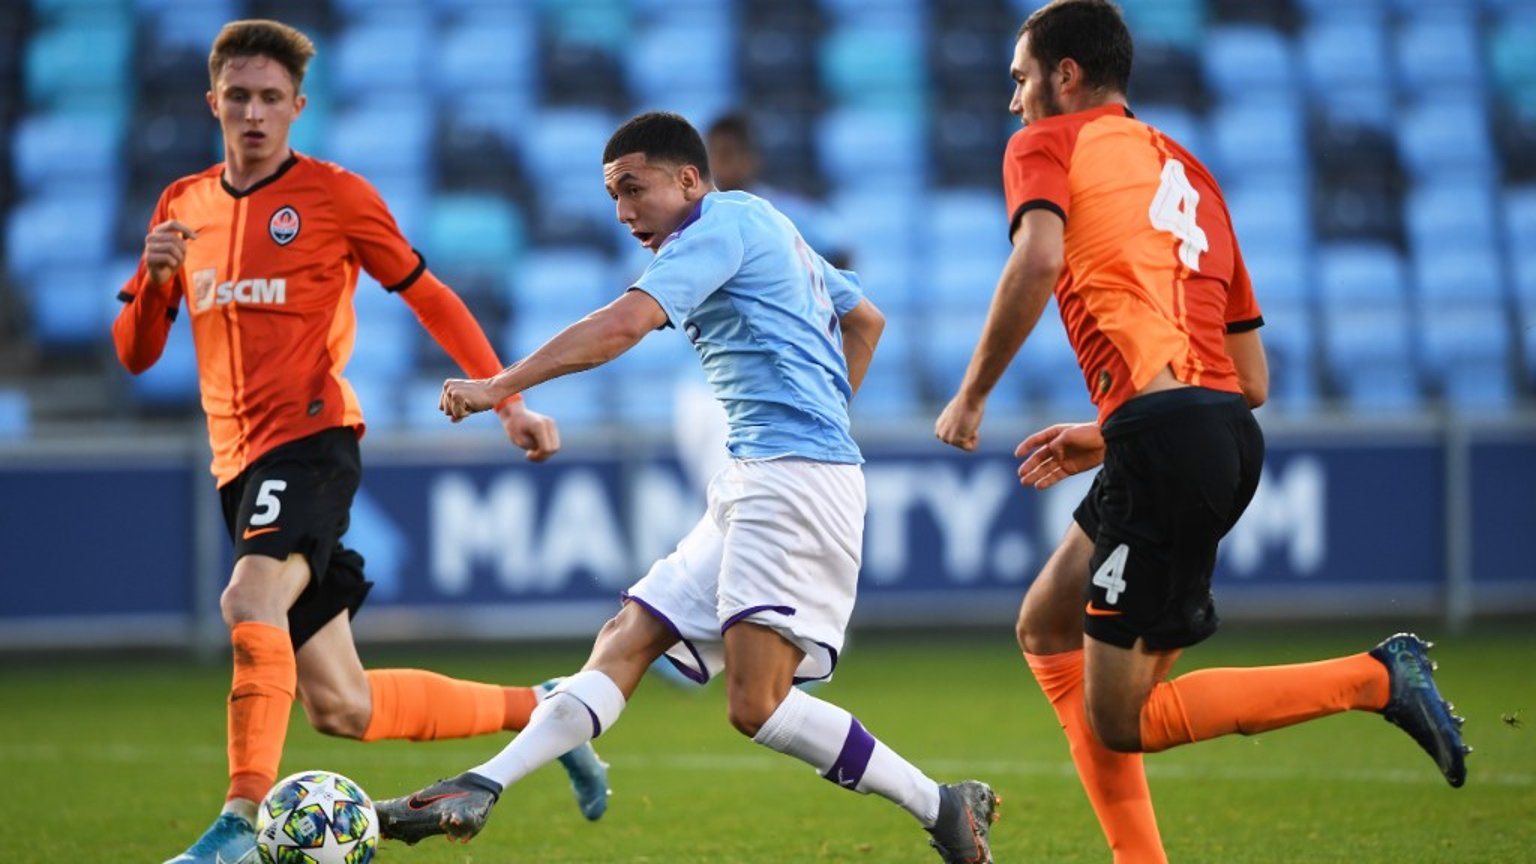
x=265, y=248
x=763, y=586
x=1133, y=235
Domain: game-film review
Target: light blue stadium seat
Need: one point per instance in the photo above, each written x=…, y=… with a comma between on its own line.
x=564, y=141
x=356, y=136
x=1244, y=60
x=496, y=54
x=473, y=229
x=372, y=302
x=68, y=226
x=1447, y=215
x=949, y=339
x=1466, y=350
x=1350, y=10
x=1263, y=138
x=54, y=147
x=406, y=195
x=606, y=24
x=887, y=149
x=1512, y=56
x=555, y=281
x=362, y=12
x=72, y=304
x=91, y=58
x=1171, y=22
x=1519, y=206
x=1270, y=213
x=357, y=70
x=385, y=346
x=381, y=398
x=1345, y=53
x=882, y=226
x=1367, y=326
x=874, y=67
x=575, y=401
x=172, y=382
x=967, y=245
x=644, y=401
x=15, y=415
x=1278, y=271
x=1453, y=274
x=889, y=278
x=1440, y=48
x=1447, y=138
x=694, y=62
x=188, y=23
x=1524, y=267
x=1289, y=336
x=1047, y=370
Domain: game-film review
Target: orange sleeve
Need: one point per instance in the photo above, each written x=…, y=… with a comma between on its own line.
x=373, y=235
x=144, y=323
x=1035, y=173
x=1243, y=311
x=445, y=316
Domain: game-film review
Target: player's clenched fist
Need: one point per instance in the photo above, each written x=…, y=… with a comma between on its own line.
x=165, y=248
x=463, y=397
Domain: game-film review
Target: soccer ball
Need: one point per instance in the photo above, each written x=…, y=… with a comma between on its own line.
x=316, y=817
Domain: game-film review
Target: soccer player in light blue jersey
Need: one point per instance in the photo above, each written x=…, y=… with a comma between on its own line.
x=761, y=589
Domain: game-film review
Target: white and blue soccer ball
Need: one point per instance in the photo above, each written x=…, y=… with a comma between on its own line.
x=316, y=817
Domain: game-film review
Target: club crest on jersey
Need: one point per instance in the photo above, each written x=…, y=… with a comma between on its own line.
x=284, y=225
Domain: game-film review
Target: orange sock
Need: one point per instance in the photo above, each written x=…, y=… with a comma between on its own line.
x=1214, y=702
x=426, y=706
x=1115, y=782
x=260, y=700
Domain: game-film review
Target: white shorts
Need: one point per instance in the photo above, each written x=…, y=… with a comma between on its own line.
x=780, y=547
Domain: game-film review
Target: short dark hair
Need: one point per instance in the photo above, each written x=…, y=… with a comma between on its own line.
x=1091, y=32
x=259, y=37
x=663, y=137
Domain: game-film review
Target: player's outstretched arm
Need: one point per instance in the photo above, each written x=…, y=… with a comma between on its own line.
x=1022, y=292
x=592, y=341
x=151, y=295
x=1057, y=452
x=1247, y=352
x=861, y=328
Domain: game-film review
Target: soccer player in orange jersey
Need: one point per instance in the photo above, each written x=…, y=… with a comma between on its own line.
x=265, y=249
x=1131, y=233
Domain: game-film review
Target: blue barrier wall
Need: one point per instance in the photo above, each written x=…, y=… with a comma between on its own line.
x=473, y=543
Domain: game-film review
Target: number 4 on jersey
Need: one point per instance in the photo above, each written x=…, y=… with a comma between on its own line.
x=1173, y=210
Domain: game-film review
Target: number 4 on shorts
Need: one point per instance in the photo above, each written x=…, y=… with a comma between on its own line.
x=1110, y=575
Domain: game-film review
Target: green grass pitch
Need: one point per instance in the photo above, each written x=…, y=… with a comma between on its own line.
x=122, y=759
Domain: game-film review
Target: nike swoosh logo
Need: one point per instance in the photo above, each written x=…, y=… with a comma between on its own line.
x=257, y=532
x=418, y=802
x=1101, y=613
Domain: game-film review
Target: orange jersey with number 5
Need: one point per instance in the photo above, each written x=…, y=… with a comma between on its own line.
x=1153, y=276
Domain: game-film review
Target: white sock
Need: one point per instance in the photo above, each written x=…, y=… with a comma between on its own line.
x=242, y=807
x=583, y=707
x=837, y=745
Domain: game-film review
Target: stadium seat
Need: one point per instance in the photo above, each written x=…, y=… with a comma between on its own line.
x=1259, y=138
x=188, y=23
x=1278, y=272
x=356, y=70
x=569, y=281
x=670, y=65
x=965, y=282
x=1440, y=48
x=1270, y=212
x=1341, y=53
x=90, y=58
x=1290, y=347
x=1162, y=74
x=968, y=223
x=72, y=304
x=380, y=397
x=1445, y=216
x=1452, y=274
x=473, y=229
x=1355, y=11
x=70, y=226
x=1246, y=61
x=1047, y=370
x=1367, y=326
x=947, y=341
x=890, y=389
x=1172, y=22
x=1519, y=207
x=878, y=68
x=385, y=344
x=55, y=147
x=495, y=54
x=404, y=122
x=1466, y=350
x=171, y=385
x=869, y=147
x=576, y=401
x=1447, y=138
x=1180, y=124
x=1512, y=55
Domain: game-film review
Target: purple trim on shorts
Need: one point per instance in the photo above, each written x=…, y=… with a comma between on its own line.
x=851, y=763
x=597, y=728
x=832, y=653
x=698, y=676
x=753, y=610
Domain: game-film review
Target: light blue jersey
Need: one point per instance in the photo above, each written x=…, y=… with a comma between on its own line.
x=761, y=308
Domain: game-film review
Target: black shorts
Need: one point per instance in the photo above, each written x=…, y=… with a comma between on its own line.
x=1180, y=466
x=297, y=497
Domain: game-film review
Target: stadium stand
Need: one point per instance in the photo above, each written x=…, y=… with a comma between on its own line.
x=1378, y=156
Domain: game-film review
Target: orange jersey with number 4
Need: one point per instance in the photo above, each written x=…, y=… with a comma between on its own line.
x=1153, y=276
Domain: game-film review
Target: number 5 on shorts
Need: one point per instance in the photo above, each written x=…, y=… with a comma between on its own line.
x=267, y=505
x=1110, y=574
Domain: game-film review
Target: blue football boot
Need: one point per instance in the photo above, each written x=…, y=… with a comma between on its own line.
x=1416, y=706
x=589, y=774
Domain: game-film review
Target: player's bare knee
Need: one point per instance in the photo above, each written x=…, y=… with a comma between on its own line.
x=1115, y=729
x=338, y=716
x=750, y=710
